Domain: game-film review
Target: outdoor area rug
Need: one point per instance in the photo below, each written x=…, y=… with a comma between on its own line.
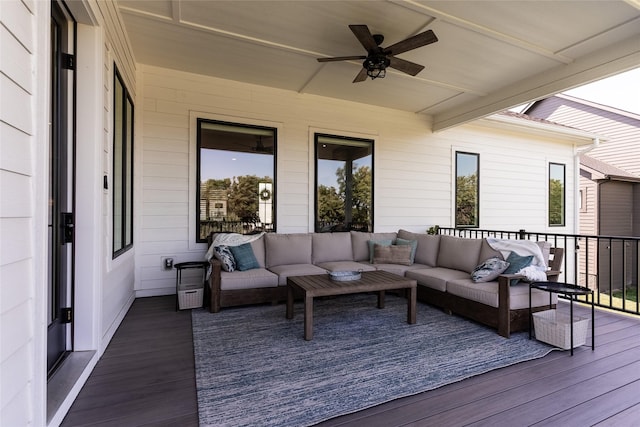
x=253, y=366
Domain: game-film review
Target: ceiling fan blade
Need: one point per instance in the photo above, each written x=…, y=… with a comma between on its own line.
x=364, y=36
x=408, y=67
x=362, y=76
x=413, y=42
x=341, y=58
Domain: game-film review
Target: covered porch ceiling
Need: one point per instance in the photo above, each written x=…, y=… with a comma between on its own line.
x=491, y=55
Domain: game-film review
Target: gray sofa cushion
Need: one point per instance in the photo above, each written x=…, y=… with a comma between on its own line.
x=428, y=246
x=255, y=278
x=287, y=249
x=487, y=293
x=487, y=252
x=399, y=269
x=459, y=253
x=360, y=245
x=436, y=277
x=258, y=251
x=328, y=247
x=284, y=271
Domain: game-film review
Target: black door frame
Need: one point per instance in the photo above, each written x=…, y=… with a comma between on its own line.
x=61, y=188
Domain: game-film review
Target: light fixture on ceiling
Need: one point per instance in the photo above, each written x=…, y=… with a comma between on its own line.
x=376, y=66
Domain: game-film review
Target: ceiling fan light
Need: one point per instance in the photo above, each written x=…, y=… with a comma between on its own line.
x=376, y=66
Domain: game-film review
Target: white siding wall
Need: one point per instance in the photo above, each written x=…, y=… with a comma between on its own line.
x=104, y=286
x=21, y=320
x=118, y=274
x=413, y=167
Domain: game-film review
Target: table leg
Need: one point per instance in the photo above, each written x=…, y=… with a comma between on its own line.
x=571, y=320
x=289, y=302
x=381, y=299
x=530, y=315
x=593, y=325
x=411, y=306
x=308, y=318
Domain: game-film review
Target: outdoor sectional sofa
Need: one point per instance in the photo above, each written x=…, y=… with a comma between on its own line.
x=441, y=264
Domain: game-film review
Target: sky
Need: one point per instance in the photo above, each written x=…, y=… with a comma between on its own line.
x=621, y=91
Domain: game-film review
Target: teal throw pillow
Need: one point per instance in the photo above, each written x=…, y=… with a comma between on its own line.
x=383, y=242
x=244, y=257
x=517, y=263
x=412, y=243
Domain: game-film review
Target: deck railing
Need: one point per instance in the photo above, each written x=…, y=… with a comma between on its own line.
x=610, y=265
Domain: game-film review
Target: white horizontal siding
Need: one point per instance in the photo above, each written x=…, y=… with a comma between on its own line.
x=412, y=167
x=18, y=338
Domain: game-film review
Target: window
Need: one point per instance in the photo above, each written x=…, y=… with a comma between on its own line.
x=122, y=168
x=344, y=183
x=467, y=189
x=235, y=176
x=556, y=194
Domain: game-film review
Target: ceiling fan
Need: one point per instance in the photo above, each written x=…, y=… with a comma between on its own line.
x=378, y=58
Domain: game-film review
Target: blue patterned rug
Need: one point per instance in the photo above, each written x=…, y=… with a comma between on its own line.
x=253, y=367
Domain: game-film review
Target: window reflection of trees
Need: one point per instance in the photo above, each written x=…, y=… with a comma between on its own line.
x=347, y=204
x=467, y=189
x=244, y=202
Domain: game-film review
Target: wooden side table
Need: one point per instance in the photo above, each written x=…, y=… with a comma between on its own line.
x=572, y=291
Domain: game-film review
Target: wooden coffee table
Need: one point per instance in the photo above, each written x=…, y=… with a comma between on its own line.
x=371, y=281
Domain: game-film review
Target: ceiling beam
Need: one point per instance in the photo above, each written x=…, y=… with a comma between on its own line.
x=604, y=63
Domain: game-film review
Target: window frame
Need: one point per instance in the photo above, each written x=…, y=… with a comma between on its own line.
x=123, y=168
x=564, y=195
x=477, y=192
x=198, y=154
x=316, y=137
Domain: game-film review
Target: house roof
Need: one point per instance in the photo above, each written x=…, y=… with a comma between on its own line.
x=621, y=129
x=606, y=171
x=491, y=55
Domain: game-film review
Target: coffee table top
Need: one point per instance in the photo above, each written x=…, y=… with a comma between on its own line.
x=371, y=281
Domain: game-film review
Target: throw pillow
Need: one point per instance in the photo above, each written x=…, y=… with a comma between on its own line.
x=517, y=263
x=383, y=242
x=392, y=254
x=244, y=256
x=412, y=243
x=489, y=270
x=224, y=255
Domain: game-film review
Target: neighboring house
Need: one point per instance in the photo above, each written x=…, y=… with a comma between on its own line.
x=98, y=180
x=609, y=206
x=609, y=182
x=621, y=128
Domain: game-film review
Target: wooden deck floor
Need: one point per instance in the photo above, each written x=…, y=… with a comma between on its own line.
x=146, y=377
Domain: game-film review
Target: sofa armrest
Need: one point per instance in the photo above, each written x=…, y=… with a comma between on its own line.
x=552, y=275
x=214, y=285
x=504, y=289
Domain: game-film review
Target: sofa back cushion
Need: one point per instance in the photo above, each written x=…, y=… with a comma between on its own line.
x=428, y=246
x=328, y=247
x=459, y=253
x=258, y=251
x=487, y=252
x=286, y=249
x=360, y=243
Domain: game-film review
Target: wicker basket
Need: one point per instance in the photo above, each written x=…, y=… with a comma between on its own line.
x=555, y=328
x=190, y=296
